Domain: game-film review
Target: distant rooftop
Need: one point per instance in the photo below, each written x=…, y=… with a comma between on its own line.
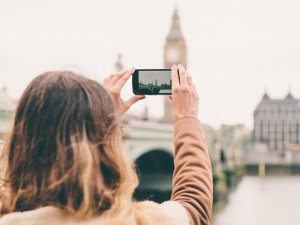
x=286, y=104
x=288, y=99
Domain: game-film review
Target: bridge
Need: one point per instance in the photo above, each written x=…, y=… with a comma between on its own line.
x=149, y=145
x=266, y=162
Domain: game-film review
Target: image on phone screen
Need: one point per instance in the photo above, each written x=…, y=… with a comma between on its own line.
x=152, y=82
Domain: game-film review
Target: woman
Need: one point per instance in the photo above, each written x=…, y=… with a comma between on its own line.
x=63, y=162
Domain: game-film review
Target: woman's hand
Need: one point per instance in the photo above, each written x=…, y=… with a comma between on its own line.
x=114, y=84
x=184, y=94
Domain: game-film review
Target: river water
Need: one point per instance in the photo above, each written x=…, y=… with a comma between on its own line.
x=263, y=201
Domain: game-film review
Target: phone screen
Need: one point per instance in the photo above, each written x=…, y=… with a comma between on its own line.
x=152, y=82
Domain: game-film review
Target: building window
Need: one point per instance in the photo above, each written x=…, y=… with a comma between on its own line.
x=290, y=133
x=275, y=136
x=261, y=131
x=283, y=134
x=269, y=131
x=297, y=132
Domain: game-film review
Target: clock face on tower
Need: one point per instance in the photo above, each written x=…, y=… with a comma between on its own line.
x=173, y=55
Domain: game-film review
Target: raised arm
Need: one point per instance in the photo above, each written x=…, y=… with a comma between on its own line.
x=192, y=178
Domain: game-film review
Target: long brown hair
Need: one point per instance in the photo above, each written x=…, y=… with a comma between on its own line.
x=65, y=150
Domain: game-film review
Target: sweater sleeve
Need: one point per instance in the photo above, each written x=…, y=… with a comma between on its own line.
x=192, y=178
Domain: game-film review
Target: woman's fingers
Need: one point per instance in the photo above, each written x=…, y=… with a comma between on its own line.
x=114, y=84
x=107, y=81
x=116, y=77
x=185, y=97
x=183, y=76
x=191, y=84
x=122, y=79
x=175, y=78
x=189, y=79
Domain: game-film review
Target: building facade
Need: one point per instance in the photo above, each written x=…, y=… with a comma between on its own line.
x=277, y=123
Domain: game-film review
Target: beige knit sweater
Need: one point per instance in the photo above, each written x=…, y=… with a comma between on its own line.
x=191, y=201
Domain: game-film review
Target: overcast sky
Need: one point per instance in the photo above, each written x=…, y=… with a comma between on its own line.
x=236, y=48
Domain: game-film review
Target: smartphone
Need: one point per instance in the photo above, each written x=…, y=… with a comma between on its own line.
x=152, y=82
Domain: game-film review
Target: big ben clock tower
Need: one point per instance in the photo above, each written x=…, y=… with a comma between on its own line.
x=175, y=52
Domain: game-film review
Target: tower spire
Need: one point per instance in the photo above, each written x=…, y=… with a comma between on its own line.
x=266, y=96
x=289, y=95
x=119, y=64
x=175, y=31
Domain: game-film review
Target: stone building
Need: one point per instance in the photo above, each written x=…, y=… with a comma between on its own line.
x=277, y=123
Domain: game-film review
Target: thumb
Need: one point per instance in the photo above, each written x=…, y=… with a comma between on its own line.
x=133, y=100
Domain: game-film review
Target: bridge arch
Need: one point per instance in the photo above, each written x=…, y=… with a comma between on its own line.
x=155, y=161
x=155, y=169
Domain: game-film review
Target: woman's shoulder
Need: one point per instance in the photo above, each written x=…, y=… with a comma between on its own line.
x=166, y=213
x=40, y=216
